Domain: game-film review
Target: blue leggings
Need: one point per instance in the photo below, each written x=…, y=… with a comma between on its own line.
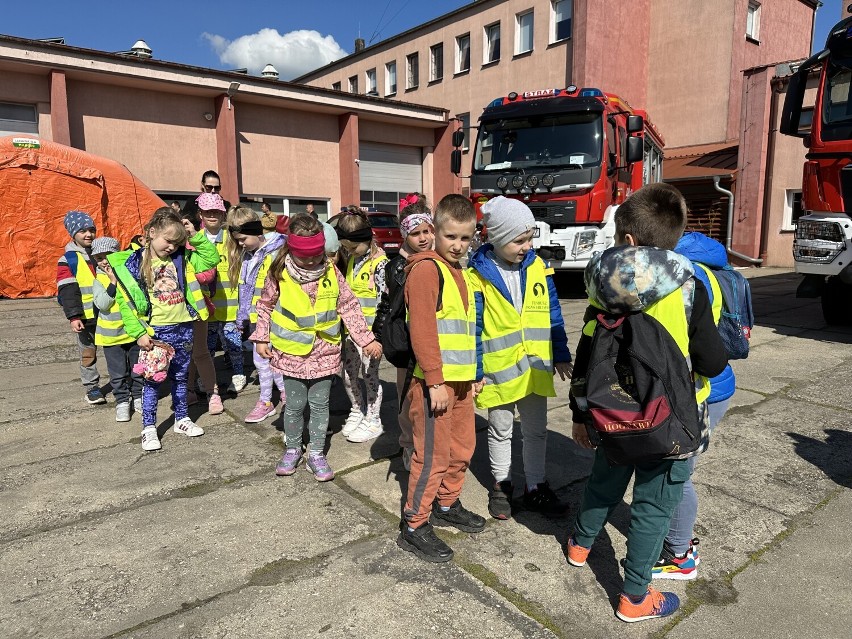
x=232, y=342
x=179, y=337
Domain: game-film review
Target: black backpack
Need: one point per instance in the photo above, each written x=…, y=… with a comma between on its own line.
x=638, y=395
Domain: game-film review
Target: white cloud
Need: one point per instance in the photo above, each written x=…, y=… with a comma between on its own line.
x=292, y=54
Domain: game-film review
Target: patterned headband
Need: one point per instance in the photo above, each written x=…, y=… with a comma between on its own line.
x=412, y=222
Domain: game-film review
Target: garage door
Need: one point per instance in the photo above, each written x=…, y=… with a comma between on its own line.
x=389, y=172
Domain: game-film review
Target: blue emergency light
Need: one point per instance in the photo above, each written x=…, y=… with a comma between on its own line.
x=591, y=93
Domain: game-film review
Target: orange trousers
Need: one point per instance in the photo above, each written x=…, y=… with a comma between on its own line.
x=443, y=446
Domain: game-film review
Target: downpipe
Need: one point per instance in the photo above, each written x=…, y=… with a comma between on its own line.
x=730, y=231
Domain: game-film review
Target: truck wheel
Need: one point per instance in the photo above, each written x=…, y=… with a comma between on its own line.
x=837, y=302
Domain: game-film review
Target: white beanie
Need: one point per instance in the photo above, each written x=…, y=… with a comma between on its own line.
x=506, y=219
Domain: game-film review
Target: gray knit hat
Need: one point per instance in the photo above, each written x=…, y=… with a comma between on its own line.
x=105, y=245
x=506, y=219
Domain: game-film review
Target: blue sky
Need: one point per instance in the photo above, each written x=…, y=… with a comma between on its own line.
x=243, y=33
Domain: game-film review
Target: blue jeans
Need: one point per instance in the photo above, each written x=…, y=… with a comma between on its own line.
x=683, y=520
x=179, y=337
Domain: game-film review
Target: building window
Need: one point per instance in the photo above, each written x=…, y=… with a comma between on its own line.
x=412, y=63
x=390, y=78
x=335, y=86
x=524, y=32
x=18, y=118
x=753, y=21
x=561, y=12
x=371, y=82
x=353, y=84
x=491, y=50
x=463, y=53
x=792, y=209
x=436, y=63
x=464, y=122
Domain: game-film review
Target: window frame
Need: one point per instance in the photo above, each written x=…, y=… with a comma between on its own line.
x=433, y=68
x=375, y=82
x=753, y=11
x=14, y=124
x=486, y=43
x=518, y=17
x=412, y=71
x=335, y=86
x=465, y=122
x=458, y=67
x=787, y=222
x=554, y=25
x=353, y=84
x=391, y=87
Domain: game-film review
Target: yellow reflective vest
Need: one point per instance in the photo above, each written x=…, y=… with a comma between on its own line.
x=363, y=285
x=294, y=329
x=258, y=286
x=225, y=299
x=517, y=351
x=110, y=327
x=85, y=279
x=456, y=330
x=716, y=290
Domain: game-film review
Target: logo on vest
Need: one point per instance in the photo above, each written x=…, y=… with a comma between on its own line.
x=538, y=289
x=325, y=282
x=365, y=276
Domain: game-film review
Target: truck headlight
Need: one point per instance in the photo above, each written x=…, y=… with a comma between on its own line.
x=813, y=230
x=584, y=241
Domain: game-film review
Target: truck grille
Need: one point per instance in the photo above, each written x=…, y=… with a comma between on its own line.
x=557, y=215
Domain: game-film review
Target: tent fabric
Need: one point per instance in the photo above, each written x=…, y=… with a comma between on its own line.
x=39, y=182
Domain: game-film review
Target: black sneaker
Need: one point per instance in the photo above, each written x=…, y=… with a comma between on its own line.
x=500, y=500
x=543, y=500
x=458, y=517
x=94, y=396
x=424, y=543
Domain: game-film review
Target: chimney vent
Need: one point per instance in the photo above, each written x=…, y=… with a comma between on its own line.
x=360, y=45
x=141, y=49
x=269, y=72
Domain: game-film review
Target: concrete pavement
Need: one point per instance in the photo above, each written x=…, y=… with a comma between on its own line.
x=98, y=539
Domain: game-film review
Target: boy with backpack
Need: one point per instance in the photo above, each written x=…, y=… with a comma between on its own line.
x=639, y=387
x=730, y=299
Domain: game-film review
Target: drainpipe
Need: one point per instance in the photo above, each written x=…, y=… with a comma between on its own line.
x=730, y=232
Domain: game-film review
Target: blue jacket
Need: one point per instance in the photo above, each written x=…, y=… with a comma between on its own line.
x=488, y=270
x=701, y=249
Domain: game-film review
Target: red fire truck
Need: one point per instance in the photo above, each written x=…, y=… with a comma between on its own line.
x=572, y=155
x=822, y=247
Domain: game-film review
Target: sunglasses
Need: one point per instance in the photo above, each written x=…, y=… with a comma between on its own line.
x=210, y=188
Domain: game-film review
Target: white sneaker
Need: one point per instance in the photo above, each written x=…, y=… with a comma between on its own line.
x=137, y=405
x=187, y=427
x=369, y=429
x=150, y=440
x=352, y=422
x=122, y=412
x=238, y=383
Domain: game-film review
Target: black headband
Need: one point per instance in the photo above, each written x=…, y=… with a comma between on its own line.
x=252, y=227
x=361, y=235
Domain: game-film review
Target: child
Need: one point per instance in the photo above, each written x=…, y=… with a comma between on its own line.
x=679, y=558
x=441, y=394
x=647, y=278
x=249, y=256
x=415, y=225
x=521, y=341
x=75, y=275
x=160, y=299
x=305, y=337
x=121, y=350
x=223, y=292
x=365, y=275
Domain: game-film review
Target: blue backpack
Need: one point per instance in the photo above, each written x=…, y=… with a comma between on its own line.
x=737, y=316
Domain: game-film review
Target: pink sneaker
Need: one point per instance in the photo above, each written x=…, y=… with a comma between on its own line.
x=261, y=411
x=214, y=405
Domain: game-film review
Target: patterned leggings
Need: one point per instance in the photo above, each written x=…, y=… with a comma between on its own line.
x=355, y=365
x=232, y=342
x=179, y=337
x=266, y=375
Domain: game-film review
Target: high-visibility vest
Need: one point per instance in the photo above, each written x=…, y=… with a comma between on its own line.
x=670, y=311
x=517, y=351
x=363, y=285
x=110, y=327
x=225, y=299
x=85, y=279
x=716, y=290
x=258, y=286
x=294, y=329
x=456, y=331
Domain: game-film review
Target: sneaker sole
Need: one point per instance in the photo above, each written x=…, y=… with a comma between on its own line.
x=437, y=521
x=575, y=563
x=121, y=421
x=151, y=450
x=95, y=402
x=368, y=439
x=405, y=545
x=645, y=618
x=255, y=420
x=676, y=576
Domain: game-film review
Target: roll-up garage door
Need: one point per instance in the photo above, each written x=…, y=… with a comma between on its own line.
x=391, y=168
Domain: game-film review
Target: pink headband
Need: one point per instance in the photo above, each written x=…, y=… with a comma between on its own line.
x=306, y=246
x=412, y=222
x=408, y=200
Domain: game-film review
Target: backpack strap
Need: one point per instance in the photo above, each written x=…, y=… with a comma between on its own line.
x=409, y=372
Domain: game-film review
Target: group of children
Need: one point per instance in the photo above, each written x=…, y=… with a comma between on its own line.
x=490, y=335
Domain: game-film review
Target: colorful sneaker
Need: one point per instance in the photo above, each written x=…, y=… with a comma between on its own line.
x=500, y=500
x=407, y=454
x=261, y=411
x=543, y=500
x=692, y=553
x=289, y=462
x=187, y=427
x=352, y=422
x=672, y=566
x=137, y=405
x=191, y=398
x=95, y=396
x=369, y=429
x=238, y=383
x=577, y=554
x=654, y=604
x=150, y=439
x=214, y=405
x=318, y=465
x=122, y=412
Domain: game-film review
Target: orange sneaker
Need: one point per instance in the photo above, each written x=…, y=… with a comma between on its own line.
x=577, y=554
x=653, y=605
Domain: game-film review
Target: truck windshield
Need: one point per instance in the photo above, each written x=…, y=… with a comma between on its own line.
x=559, y=140
x=837, y=106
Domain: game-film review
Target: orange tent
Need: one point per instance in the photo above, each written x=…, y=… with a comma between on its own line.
x=39, y=182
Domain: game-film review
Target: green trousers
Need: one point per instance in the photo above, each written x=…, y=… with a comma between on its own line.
x=657, y=490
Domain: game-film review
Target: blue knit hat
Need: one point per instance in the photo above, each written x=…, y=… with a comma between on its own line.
x=76, y=221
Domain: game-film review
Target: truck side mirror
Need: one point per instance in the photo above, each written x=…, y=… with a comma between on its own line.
x=635, y=123
x=456, y=162
x=458, y=138
x=635, y=149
